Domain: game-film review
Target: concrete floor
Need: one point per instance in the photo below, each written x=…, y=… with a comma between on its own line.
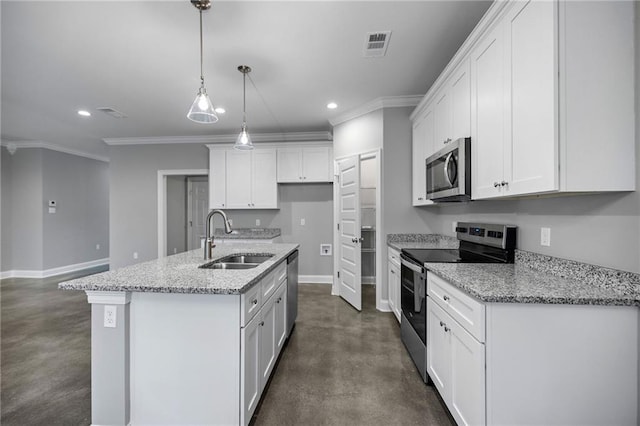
x=339, y=367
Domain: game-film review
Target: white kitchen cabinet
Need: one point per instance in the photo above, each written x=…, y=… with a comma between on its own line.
x=250, y=374
x=456, y=365
x=305, y=164
x=442, y=119
x=281, y=316
x=217, y=179
x=453, y=109
x=268, y=353
x=251, y=179
x=536, y=364
x=393, y=271
x=423, y=145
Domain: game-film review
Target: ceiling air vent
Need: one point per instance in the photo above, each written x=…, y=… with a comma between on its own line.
x=376, y=44
x=112, y=112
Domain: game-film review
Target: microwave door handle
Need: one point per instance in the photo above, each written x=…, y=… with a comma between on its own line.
x=446, y=168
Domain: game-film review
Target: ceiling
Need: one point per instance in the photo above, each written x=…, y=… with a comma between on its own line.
x=142, y=58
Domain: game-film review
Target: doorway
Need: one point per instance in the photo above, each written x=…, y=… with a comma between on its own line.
x=358, y=230
x=168, y=180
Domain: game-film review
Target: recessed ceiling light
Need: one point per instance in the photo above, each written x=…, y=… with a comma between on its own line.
x=84, y=113
x=220, y=110
x=332, y=105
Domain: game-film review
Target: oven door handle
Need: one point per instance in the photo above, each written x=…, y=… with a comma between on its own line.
x=407, y=263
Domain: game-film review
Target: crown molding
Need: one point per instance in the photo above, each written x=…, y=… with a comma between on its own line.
x=216, y=139
x=376, y=104
x=15, y=145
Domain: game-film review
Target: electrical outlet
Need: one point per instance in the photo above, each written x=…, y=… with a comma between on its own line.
x=230, y=222
x=454, y=225
x=175, y=250
x=545, y=237
x=325, y=249
x=135, y=254
x=257, y=222
x=302, y=222
x=97, y=246
x=110, y=316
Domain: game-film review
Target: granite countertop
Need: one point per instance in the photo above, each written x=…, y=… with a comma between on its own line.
x=179, y=273
x=248, y=234
x=533, y=278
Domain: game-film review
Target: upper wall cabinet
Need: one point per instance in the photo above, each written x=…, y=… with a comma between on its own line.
x=242, y=179
x=544, y=89
x=423, y=146
x=305, y=164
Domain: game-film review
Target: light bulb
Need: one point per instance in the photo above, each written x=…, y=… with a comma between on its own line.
x=203, y=102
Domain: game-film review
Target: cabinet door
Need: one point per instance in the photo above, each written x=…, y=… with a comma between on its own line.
x=392, y=288
x=217, y=179
x=315, y=164
x=461, y=102
x=395, y=286
x=264, y=184
x=467, y=378
x=289, y=165
x=530, y=44
x=442, y=119
x=267, y=340
x=250, y=373
x=423, y=133
x=487, y=115
x=281, y=317
x=439, y=348
x=238, y=179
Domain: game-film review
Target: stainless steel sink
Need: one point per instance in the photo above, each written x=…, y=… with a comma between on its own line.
x=247, y=258
x=238, y=261
x=225, y=265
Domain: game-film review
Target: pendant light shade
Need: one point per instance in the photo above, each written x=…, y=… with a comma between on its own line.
x=201, y=110
x=243, y=141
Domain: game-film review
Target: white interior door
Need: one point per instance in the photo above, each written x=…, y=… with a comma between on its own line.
x=350, y=280
x=197, y=210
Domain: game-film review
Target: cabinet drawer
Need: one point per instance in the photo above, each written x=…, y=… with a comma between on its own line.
x=251, y=301
x=394, y=256
x=463, y=308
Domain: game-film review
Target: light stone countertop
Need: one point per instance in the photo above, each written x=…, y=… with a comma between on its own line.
x=533, y=278
x=179, y=273
x=248, y=234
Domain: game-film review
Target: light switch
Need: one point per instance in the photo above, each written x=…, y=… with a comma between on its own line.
x=545, y=237
x=302, y=222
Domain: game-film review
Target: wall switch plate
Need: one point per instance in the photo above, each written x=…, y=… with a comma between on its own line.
x=257, y=222
x=135, y=254
x=454, y=225
x=545, y=237
x=52, y=203
x=97, y=246
x=302, y=222
x=325, y=249
x=52, y=210
x=110, y=316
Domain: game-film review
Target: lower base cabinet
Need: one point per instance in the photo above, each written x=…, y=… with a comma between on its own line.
x=262, y=340
x=532, y=364
x=393, y=282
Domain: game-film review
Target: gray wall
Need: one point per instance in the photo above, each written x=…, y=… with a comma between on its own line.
x=33, y=239
x=80, y=187
x=133, y=193
x=176, y=214
x=22, y=215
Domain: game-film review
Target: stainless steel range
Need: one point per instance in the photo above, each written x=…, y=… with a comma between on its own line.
x=479, y=243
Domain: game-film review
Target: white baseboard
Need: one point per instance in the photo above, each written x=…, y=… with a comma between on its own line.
x=16, y=273
x=315, y=279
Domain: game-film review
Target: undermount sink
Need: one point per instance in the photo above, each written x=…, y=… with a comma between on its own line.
x=238, y=261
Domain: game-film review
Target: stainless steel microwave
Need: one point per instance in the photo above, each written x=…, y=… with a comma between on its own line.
x=449, y=172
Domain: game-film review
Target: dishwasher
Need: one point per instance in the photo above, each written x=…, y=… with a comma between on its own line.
x=292, y=290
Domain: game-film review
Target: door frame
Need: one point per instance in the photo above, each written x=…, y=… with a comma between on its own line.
x=189, y=215
x=162, y=202
x=381, y=305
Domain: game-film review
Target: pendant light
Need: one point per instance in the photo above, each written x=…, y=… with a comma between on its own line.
x=201, y=110
x=243, y=141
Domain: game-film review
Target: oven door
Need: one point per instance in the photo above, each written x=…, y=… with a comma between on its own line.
x=413, y=297
x=448, y=171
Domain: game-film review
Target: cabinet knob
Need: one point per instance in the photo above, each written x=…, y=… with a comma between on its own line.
x=393, y=272
x=254, y=301
x=222, y=204
x=249, y=204
x=279, y=300
x=446, y=141
x=420, y=198
x=261, y=323
x=446, y=298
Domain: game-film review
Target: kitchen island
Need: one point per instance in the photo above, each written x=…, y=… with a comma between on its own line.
x=172, y=343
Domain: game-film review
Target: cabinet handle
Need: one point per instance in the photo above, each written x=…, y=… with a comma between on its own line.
x=446, y=329
x=261, y=323
x=420, y=198
x=496, y=184
x=446, y=298
x=279, y=299
x=441, y=323
x=446, y=141
x=254, y=301
x=504, y=183
x=249, y=204
x=222, y=204
x=393, y=272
